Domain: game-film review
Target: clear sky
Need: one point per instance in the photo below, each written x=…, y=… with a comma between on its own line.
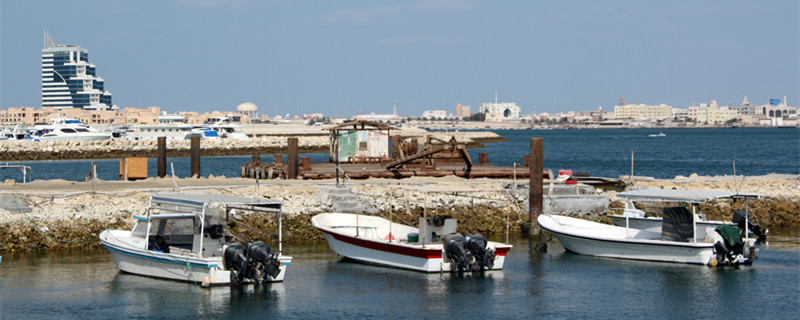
x=341, y=57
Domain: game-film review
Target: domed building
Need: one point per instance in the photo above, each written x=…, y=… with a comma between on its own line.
x=248, y=109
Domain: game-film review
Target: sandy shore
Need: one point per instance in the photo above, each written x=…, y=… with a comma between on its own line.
x=65, y=214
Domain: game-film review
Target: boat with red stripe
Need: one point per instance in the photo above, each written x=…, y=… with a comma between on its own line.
x=436, y=248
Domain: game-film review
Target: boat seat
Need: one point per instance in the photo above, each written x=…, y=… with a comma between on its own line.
x=182, y=251
x=677, y=224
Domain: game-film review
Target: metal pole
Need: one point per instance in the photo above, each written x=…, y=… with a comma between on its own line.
x=631, y=177
x=694, y=223
x=424, y=219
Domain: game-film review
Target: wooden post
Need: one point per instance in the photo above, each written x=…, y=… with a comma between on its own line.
x=195, y=156
x=306, y=163
x=483, y=158
x=526, y=160
x=292, y=161
x=162, y=157
x=535, y=200
x=277, y=158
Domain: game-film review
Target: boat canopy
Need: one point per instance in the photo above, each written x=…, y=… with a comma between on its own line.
x=198, y=200
x=696, y=196
x=166, y=216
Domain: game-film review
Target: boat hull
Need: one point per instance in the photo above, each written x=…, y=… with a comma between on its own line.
x=395, y=253
x=206, y=271
x=580, y=238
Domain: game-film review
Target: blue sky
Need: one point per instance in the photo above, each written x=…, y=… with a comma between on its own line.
x=342, y=57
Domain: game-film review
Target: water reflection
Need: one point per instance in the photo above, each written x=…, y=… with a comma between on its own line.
x=553, y=284
x=175, y=299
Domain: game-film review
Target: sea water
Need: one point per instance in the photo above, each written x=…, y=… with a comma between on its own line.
x=86, y=284
x=601, y=152
x=555, y=284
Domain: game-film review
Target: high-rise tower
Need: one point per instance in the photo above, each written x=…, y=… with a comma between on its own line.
x=69, y=80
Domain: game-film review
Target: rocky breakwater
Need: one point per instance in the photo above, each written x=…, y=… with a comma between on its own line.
x=69, y=220
x=112, y=149
x=267, y=143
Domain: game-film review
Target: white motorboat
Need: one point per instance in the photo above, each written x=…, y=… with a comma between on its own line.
x=184, y=237
x=437, y=248
x=203, y=132
x=660, y=134
x=226, y=128
x=678, y=240
x=72, y=134
x=67, y=129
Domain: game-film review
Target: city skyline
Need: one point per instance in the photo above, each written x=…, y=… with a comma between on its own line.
x=344, y=57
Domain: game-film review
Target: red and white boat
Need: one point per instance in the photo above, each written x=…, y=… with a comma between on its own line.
x=436, y=248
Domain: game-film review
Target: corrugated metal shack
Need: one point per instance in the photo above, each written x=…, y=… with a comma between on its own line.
x=360, y=141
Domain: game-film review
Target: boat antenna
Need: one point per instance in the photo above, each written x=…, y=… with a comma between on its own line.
x=739, y=187
x=174, y=183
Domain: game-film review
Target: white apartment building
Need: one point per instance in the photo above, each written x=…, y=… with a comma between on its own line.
x=714, y=114
x=643, y=112
x=440, y=114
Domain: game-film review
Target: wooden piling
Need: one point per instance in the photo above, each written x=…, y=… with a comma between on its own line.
x=535, y=200
x=305, y=162
x=162, y=157
x=195, y=156
x=483, y=158
x=292, y=168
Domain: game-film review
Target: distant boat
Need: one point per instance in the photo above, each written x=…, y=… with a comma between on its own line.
x=67, y=129
x=660, y=134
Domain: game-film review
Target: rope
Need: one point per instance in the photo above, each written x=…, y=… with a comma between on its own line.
x=191, y=273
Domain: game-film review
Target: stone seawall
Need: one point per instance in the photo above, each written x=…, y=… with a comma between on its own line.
x=115, y=149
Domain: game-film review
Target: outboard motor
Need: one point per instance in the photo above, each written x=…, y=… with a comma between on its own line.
x=253, y=262
x=235, y=261
x=261, y=262
x=739, y=219
x=728, y=244
x=455, y=249
x=476, y=246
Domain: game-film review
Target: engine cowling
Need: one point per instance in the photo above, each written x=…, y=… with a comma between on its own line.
x=470, y=253
x=483, y=256
x=253, y=262
x=455, y=250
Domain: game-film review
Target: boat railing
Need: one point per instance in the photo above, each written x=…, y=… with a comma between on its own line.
x=26, y=170
x=366, y=229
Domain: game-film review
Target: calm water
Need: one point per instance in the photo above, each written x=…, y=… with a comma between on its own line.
x=556, y=284
x=604, y=153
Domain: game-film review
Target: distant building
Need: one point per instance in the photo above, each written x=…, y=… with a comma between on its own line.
x=500, y=112
x=377, y=117
x=69, y=80
x=780, y=111
x=463, y=111
x=714, y=114
x=430, y=114
x=248, y=109
x=744, y=108
x=643, y=112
